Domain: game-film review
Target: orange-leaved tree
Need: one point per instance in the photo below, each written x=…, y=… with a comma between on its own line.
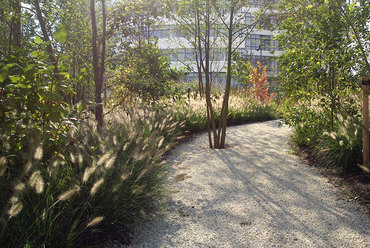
x=259, y=88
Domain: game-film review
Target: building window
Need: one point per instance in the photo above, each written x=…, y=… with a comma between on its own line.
x=270, y=62
x=217, y=55
x=264, y=42
x=253, y=42
x=249, y=19
x=183, y=55
x=168, y=31
x=161, y=33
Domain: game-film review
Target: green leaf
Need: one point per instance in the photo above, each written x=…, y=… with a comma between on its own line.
x=11, y=65
x=61, y=34
x=29, y=67
x=81, y=107
x=38, y=40
x=16, y=79
x=35, y=54
x=65, y=74
x=3, y=76
x=54, y=96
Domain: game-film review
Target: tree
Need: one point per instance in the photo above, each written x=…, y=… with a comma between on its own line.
x=190, y=22
x=45, y=34
x=225, y=19
x=134, y=20
x=357, y=15
x=11, y=25
x=98, y=61
x=145, y=72
x=259, y=88
x=318, y=61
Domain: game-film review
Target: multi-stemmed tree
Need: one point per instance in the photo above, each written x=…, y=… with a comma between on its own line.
x=209, y=26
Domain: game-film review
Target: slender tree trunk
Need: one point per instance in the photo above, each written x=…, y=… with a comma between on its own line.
x=197, y=34
x=200, y=76
x=365, y=56
x=225, y=105
x=10, y=39
x=49, y=48
x=208, y=83
x=332, y=95
x=41, y=20
x=17, y=28
x=200, y=81
x=15, y=32
x=97, y=69
x=102, y=66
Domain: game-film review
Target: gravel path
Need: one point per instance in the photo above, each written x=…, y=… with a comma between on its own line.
x=252, y=194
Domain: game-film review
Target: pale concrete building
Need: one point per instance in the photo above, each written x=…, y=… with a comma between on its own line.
x=259, y=45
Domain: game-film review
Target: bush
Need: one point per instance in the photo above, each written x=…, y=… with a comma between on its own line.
x=336, y=145
x=147, y=74
x=88, y=188
x=342, y=148
x=65, y=185
x=307, y=119
x=241, y=110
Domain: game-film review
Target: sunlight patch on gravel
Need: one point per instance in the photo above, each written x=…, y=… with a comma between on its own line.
x=253, y=194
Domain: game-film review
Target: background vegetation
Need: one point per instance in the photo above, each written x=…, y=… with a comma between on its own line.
x=321, y=70
x=72, y=179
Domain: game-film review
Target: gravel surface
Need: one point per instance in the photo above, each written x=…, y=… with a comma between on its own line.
x=255, y=193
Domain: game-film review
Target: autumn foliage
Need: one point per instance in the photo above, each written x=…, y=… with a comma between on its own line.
x=259, y=85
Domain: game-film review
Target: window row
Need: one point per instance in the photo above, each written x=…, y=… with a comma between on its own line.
x=261, y=42
x=172, y=32
x=189, y=55
x=260, y=3
x=264, y=23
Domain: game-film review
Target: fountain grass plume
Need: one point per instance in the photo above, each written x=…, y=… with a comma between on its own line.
x=52, y=193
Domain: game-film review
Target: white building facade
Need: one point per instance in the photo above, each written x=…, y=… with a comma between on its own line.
x=258, y=45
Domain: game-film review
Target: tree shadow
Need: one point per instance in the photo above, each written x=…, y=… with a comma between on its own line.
x=255, y=194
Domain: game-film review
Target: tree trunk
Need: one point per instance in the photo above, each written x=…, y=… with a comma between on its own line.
x=41, y=20
x=17, y=28
x=225, y=105
x=97, y=69
x=198, y=56
x=208, y=83
x=49, y=48
x=102, y=66
x=332, y=95
x=10, y=39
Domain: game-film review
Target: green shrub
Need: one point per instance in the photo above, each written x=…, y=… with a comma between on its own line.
x=342, y=148
x=65, y=185
x=241, y=111
x=336, y=142
x=307, y=119
x=147, y=74
x=89, y=188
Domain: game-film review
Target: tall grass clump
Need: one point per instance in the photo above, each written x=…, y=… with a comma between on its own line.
x=335, y=139
x=246, y=110
x=342, y=148
x=242, y=110
x=88, y=186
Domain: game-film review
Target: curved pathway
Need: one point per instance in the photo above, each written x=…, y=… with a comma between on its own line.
x=252, y=194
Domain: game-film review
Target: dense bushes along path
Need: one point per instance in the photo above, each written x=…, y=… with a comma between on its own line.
x=252, y=194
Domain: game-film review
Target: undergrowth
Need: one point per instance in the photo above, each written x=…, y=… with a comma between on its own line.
x=87, y=188
x=242, y=110
x=335, y=144
x=67, y=185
